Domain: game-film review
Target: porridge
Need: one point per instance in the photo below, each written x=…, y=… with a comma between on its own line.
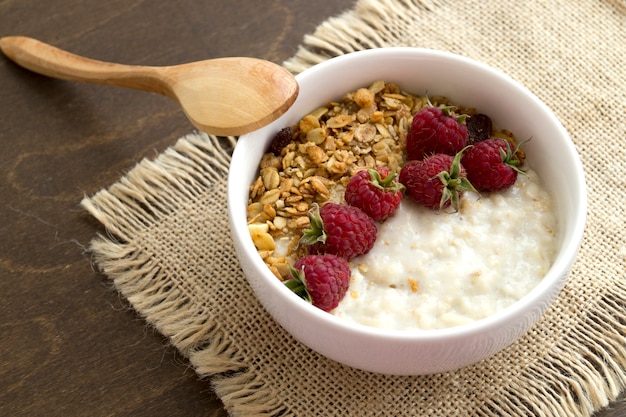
x=432, y=270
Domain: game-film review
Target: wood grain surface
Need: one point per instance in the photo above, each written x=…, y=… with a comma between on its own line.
x=69, y=345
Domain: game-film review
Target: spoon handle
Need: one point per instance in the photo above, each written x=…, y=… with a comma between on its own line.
x=53, y=62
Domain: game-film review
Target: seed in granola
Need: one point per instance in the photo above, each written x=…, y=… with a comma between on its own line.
x=363, y=97
x=365, y=133
x=384, y=132
x=293, y=199
x=377, y=117
x=302, y=207
x=365, y=114
x=286, y=184
x=318, y=185
x=316, y=155
x=289, y=212
x=254, y=210
x=392, y=102
x=280, y=222
x=256, y=189
x=270, y=177
x=319, y=112
x=288, y=159
x=337, y=167
x=302, y=221
x=261, y=237
x=282, y=268
x=310, y=172
x=269, y=211
x=316, y=136
x=270, y=197
x=340, y=121
x=308, y=123
x=377, y=87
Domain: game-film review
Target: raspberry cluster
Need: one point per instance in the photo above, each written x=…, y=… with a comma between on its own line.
x=445, y=159
x=341, y=232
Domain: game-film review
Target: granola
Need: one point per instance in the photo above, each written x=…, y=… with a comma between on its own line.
x=367, y=128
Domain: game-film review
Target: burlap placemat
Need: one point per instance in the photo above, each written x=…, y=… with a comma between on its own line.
x=168, y=249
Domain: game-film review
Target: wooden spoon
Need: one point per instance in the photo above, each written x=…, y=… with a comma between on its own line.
x=223, y=96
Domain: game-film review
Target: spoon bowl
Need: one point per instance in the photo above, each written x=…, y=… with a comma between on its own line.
x=222, y=96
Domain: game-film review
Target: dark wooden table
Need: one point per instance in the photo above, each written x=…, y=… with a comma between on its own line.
x=69, y=346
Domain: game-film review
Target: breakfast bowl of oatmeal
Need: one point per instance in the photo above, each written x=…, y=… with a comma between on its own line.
x=413, y=212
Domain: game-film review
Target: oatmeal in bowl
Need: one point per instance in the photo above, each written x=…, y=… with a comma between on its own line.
x=441, y=274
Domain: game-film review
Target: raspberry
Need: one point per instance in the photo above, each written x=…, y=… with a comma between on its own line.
x=320, y=279
x=339, y=229
x=437, y=181
x=375, y=191
x=491, y=165
x=434, y=130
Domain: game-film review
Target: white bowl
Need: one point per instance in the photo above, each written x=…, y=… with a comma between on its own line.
x=550, y=152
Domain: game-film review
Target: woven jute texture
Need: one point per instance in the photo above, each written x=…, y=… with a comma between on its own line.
x=167, y=248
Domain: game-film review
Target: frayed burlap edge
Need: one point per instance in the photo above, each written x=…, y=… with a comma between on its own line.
x=354, y=30
x=150, y=192
x=584, y=372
